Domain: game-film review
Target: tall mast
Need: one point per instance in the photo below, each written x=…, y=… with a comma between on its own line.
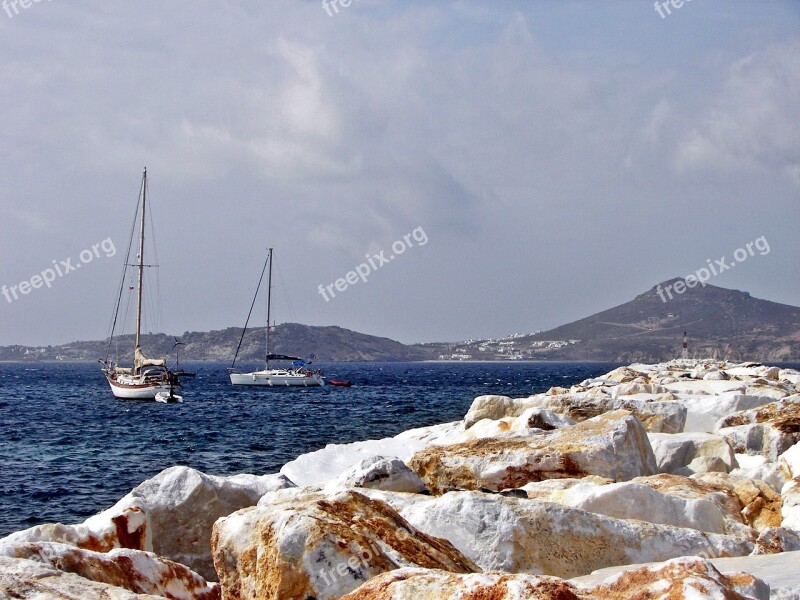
x=269, y=301
x=141, y=265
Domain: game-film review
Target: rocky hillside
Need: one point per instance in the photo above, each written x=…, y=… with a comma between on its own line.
x=692, y=467
x=720, y=323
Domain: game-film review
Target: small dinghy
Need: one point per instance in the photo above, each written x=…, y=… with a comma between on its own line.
x=339, y=383
x=166, y=397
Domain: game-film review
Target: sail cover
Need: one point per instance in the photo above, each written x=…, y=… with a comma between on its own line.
x=281, y=357
x=140, y=360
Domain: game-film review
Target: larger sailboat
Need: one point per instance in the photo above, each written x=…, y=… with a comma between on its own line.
x=298, y=374
x=148, y=378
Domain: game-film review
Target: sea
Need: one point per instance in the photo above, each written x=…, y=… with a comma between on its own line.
x=69, y=449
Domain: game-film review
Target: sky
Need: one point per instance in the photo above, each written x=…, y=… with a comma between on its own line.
x=545, y=160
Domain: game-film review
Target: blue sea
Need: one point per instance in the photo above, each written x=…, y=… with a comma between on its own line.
x=68, y=449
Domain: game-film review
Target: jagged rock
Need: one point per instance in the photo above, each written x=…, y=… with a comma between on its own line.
x=331, y=461
x=20, y=578
x=688, y=578
x=789, y=462
x=760, y=504
x=519, y=535
x=687, y=504
x=791, y=505
x=380, y=473
x=613, y=445
x=775, y=540
x=676, y=453
x=134, y=570
x=313, y=545
x=705, y=410
x=419, y=584
x=760, y=467
x=769, y=430
x=493, y=407
x=170, y=514
x=521, y=426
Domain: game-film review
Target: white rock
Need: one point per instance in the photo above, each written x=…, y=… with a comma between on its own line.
x=703, y=411
x=20, y=578
x=675, y=453
x=760, y=467
x=379, y=473
x=790, y=510
x=789, y=462
x=529, y=536
x=134, y=570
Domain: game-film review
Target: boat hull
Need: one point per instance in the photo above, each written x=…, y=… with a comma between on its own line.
x=138, y=391
x=264, y=378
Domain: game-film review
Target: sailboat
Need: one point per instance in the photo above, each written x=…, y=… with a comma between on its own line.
x=148, y=378
x=298, y=374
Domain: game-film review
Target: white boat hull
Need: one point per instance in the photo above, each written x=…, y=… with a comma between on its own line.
x=277, y=379
x=138, y=391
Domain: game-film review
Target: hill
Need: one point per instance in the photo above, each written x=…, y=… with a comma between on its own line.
x=720, y=322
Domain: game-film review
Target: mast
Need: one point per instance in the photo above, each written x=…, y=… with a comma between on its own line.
x=269, y=302
x=141, y=268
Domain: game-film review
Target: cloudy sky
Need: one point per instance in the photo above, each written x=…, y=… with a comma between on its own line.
x=560, y=157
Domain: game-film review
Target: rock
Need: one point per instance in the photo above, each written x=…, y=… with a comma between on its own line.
x=704, y=410
x=760, y=504
x=20, y=578
x=613, y=445
x=519, y=535
x=789, y=462
x=319, y=546
x=494, y=408
x=665, y=416
x=759, y=467
x=790, y=509
x=696, y=508
x=417, y=584
x=331, y=461
x=675, y=453
x=380, y=473
x=170, y=514
x=134, y=570
x=530, y=419
x=774, y=540
x=716, y=376
x=689, y=578
x=769, y=430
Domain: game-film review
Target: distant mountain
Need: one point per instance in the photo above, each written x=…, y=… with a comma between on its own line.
x=720, y=322
x=327, y=343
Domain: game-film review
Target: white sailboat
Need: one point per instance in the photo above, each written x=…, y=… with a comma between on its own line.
x=299, y=374
x=148, y=378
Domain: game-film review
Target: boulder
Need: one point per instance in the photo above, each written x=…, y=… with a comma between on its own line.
x=134, y=570
x=760, y=467
x=760, y=504
x=493, y=407
x=687, y=578
x=380, y=473
x=789, y=462
x=705, y=410
x=418, y=584
x=170, y=514
x=774, y=540
x=677, y=453
x=519, y=535
x=613, y=445
x=790, y=509
x=320, y=546
x=20, y=578
x=769, y=430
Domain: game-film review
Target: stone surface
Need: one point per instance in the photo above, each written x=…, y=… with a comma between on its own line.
x=134, y=570
x=769, y=430
x=677, y=453
x=20, y=578
x=380, y=473
x=519, y=535
x=790, y=509
x=760, y=504
x=774, y=540
x=613, y=445
x=170, y=514
x=320, y=546
x=428, y=584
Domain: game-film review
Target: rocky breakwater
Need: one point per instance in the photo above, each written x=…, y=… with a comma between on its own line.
x=677, y=480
